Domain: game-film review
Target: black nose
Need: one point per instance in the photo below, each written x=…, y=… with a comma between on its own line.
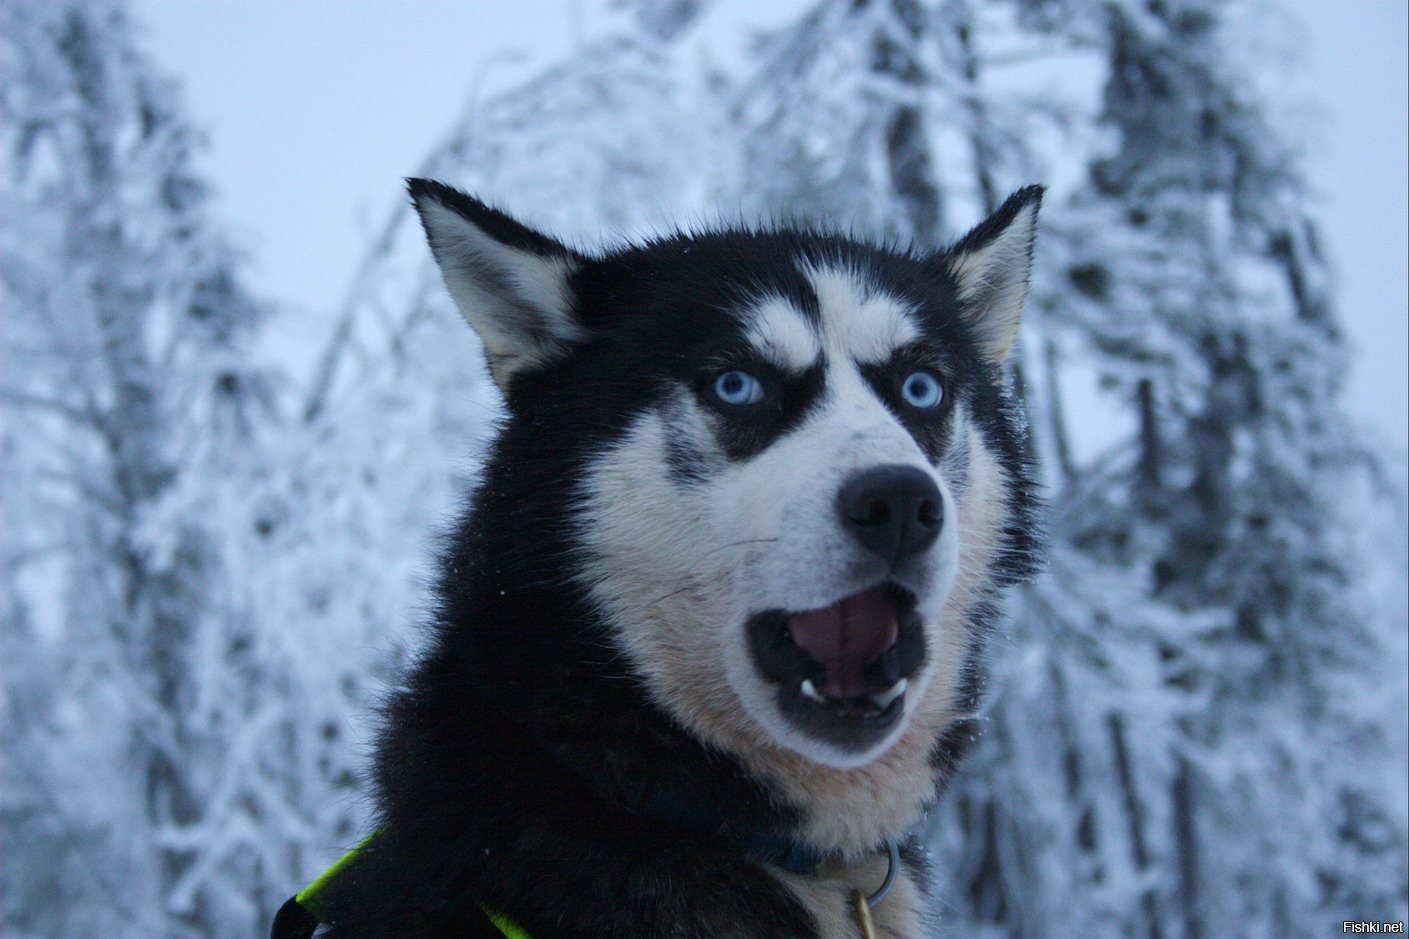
x=895, y=511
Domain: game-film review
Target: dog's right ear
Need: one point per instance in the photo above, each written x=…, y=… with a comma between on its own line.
x=509, y=281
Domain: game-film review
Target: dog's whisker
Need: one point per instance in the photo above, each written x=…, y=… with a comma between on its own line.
x=673, y=593
x=735, y=544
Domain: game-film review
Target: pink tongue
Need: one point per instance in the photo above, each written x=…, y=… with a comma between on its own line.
x=846, y=637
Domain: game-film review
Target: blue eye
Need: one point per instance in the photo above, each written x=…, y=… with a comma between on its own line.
x=922, y=390
x=738, y=388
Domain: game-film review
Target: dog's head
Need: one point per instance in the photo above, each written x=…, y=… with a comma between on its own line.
x=788, y=468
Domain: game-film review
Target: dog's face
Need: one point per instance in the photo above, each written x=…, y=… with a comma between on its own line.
x=797, y=496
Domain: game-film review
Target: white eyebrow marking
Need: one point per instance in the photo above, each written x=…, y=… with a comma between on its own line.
x=781, y=334
x=858, y=321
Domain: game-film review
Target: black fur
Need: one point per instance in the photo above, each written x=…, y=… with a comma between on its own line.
x=512, y=766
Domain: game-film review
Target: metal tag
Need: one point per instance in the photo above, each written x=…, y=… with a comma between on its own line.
x=863, y=914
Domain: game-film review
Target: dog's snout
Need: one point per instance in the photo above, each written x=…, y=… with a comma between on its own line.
x=896, y=511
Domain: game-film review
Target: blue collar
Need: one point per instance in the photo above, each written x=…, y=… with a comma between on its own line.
x=664, y=803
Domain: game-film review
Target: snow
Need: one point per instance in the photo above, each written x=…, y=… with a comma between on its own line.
x=219, y=507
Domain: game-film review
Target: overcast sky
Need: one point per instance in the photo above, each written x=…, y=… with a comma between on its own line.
x=316, y=108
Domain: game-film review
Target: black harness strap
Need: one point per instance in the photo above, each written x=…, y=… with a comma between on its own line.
x=293, y=921
x=296, y=921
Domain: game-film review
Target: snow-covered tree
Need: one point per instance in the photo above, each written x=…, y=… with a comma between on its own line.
x=149, y=773
x=1185, y=739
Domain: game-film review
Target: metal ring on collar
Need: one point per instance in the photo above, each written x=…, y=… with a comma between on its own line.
x=891, y=871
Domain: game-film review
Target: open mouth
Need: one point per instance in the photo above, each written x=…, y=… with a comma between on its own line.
x=842, y=671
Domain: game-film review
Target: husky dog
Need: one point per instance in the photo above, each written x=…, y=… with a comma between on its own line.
x=708, y=636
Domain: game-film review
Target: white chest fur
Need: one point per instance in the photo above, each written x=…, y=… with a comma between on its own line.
x=827, y=896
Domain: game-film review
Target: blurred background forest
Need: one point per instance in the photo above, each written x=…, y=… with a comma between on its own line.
x=214, y=539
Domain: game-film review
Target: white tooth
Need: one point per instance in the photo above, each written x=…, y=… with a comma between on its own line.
x=883, y=699
x=809, y=689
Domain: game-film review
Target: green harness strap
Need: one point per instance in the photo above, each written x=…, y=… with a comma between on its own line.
x=308, y=896
x=508, y=927
x=303, y=913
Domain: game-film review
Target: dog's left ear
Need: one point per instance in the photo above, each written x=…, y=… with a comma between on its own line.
x=992, y=265
x=510, y=282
